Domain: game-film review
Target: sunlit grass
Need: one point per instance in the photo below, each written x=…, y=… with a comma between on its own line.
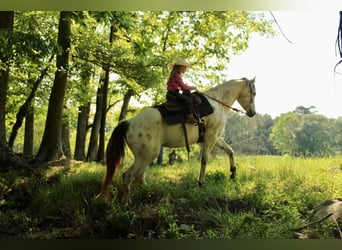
x=270, y=196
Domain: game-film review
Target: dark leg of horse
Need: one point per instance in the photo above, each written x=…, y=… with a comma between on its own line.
x=220, y=143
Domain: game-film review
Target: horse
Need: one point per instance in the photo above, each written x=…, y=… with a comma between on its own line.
x=146, y=133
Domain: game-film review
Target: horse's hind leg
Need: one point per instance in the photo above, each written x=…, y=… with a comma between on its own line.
x=220, y=143
x=135, y=172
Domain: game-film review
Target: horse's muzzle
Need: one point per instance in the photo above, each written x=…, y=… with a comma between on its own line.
x=250, y=113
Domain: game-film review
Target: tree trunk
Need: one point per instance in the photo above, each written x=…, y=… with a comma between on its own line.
x=66, y=136
x=6, y=29
x=24, y=110
x=82, y=127
x=124, y=108
x=29, y=134
x=94, y=137
x=51, y=145
x=100, y=151
x=83, y=114
x=7, y=158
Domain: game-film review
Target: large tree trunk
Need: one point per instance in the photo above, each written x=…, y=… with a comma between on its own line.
x=6, y=28
x=51, y=145
x=7, y=158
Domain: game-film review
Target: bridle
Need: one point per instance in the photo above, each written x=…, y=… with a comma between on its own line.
x=251, y=89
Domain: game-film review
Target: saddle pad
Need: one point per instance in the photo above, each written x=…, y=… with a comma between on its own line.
x=175, y=117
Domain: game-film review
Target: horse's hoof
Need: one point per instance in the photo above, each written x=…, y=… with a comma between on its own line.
x=232, y=176
x=104, y=195
x=200, y=184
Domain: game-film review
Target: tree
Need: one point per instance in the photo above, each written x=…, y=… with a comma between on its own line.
x=249, y=136
x=27, y=108
x=315, y=136
x=336, y=131
x=51, y=145
x=83, y=99
x=284, y=133
x=262, y=134
x=161, y=36
x=34, y=41
x=81, y=83
x=301, y=110
x=29, y=134
x=6, y=30
x=145, y=42
x=95, y=128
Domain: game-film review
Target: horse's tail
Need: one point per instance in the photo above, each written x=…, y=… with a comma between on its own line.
x=115, y=153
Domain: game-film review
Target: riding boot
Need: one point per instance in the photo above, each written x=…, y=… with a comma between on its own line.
x=190, y=119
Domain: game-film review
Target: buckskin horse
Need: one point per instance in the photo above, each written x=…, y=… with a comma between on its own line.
x=147, y=132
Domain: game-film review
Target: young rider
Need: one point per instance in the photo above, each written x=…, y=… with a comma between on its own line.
x=181, y=90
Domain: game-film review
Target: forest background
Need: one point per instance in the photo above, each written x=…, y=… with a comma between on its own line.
x=67, y=78
x=63, y=88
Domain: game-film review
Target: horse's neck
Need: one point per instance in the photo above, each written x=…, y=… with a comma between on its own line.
x=226, y=92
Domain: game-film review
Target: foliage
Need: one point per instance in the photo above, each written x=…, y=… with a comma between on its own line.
x=316, y=136
x=284, y=132
x=144, y=43
x=306, y=134
x=35, y=40
x=271, y=197
x=249, y=136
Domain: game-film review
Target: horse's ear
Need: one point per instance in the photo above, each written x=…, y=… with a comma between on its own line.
x=253, y=80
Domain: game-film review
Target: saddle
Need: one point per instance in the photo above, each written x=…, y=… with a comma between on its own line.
x=173, y=112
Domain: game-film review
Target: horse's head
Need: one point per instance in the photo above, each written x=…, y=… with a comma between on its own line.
x=247, y=96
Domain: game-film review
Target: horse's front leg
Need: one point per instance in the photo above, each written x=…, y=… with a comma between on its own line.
x=206, y=148
x=220, y=143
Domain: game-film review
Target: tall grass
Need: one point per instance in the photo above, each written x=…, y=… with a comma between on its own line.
x=271, y=196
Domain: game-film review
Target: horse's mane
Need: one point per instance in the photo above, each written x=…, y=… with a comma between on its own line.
x=226, y=84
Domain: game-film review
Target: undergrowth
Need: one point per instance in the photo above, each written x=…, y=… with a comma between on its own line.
x=270, y=197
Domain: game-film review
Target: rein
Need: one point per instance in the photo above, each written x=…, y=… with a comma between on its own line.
x=224, y=104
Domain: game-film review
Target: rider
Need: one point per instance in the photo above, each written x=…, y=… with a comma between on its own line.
x=175, y=84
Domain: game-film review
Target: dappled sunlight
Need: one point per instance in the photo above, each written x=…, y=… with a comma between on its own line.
x=270, y=197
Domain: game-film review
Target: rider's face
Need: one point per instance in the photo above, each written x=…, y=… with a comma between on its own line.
x=183, y=69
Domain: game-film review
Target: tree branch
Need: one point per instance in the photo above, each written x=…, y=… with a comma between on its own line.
x=280, y=29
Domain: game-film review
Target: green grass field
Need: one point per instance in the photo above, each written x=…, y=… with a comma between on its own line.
x=270, y=197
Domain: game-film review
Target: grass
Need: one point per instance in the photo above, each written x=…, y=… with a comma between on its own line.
x=271, y=196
